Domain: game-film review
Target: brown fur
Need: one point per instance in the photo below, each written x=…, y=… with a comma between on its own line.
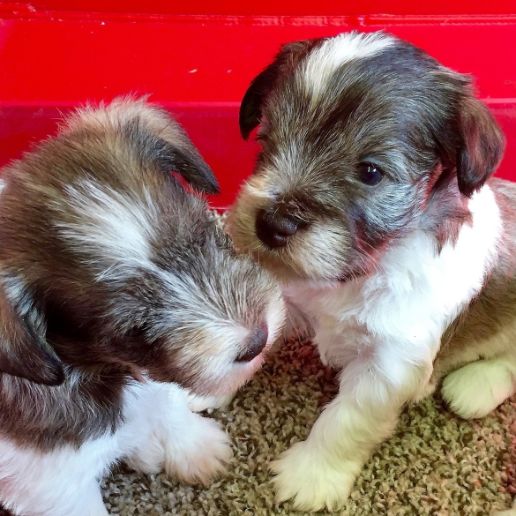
x=488, y=326
x=82, y=316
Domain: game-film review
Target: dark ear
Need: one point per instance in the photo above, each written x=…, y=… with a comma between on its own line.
x=481, y=148
x=188, y=162
x=259, y=89
x=159, y=141
x=287, y=59
x=24, y=351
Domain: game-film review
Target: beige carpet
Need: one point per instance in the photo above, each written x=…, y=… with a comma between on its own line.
x=435, y=463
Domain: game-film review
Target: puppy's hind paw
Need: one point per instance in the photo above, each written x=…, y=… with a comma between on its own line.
x=477, y=388
x=311, y=481
x=200, y=453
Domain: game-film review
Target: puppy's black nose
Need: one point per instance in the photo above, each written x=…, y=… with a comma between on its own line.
x=254, y=344
x=274, y=227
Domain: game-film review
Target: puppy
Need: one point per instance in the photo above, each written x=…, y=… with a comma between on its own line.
x=117, y=291
x=371, y=200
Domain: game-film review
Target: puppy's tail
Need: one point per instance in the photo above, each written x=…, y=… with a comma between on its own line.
x=135, y=129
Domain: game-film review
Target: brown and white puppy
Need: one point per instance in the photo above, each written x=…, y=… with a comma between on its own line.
x=371, y=201
x=114, y=282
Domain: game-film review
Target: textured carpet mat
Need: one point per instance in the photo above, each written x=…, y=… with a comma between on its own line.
x=435, y=464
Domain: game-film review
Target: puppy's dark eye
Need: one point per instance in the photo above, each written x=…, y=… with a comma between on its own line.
x=369, y=173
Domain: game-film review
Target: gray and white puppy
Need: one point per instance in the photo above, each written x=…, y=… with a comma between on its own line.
x=371, y=200
x=114, y=282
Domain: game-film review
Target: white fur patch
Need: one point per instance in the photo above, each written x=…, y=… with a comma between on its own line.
x=183, y=444
x=159, y=431
x=111, y=226
x=14, y=289
x=323, y=61
x=415, y=293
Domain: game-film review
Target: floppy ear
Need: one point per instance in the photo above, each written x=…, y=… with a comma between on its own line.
x=287, y=59
x=259, y=89
x=188, y=162
x=24, y=351
x=159, y=141
x=482, y=145
x=156, y=139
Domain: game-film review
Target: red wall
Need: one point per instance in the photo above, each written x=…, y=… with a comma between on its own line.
x=197, y=59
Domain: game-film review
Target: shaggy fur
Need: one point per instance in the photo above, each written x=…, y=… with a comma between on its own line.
x=370, y=202
x=114, y=283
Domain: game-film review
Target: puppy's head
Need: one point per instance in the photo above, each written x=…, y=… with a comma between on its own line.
x=108, y=261
x=362, y=137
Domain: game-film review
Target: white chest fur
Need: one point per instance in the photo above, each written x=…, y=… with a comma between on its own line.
x=415, y=293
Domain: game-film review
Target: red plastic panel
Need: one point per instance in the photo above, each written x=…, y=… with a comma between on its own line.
x=274, y=7
x=199, y=66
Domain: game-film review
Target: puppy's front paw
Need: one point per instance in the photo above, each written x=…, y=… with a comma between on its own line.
x=477, y=388
x=313, y=481
x=198, y=453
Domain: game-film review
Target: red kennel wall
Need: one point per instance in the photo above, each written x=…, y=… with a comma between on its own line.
x=197, y=57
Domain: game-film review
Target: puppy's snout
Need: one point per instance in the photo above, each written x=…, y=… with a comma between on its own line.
x=274, y=227
x=255, y=342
